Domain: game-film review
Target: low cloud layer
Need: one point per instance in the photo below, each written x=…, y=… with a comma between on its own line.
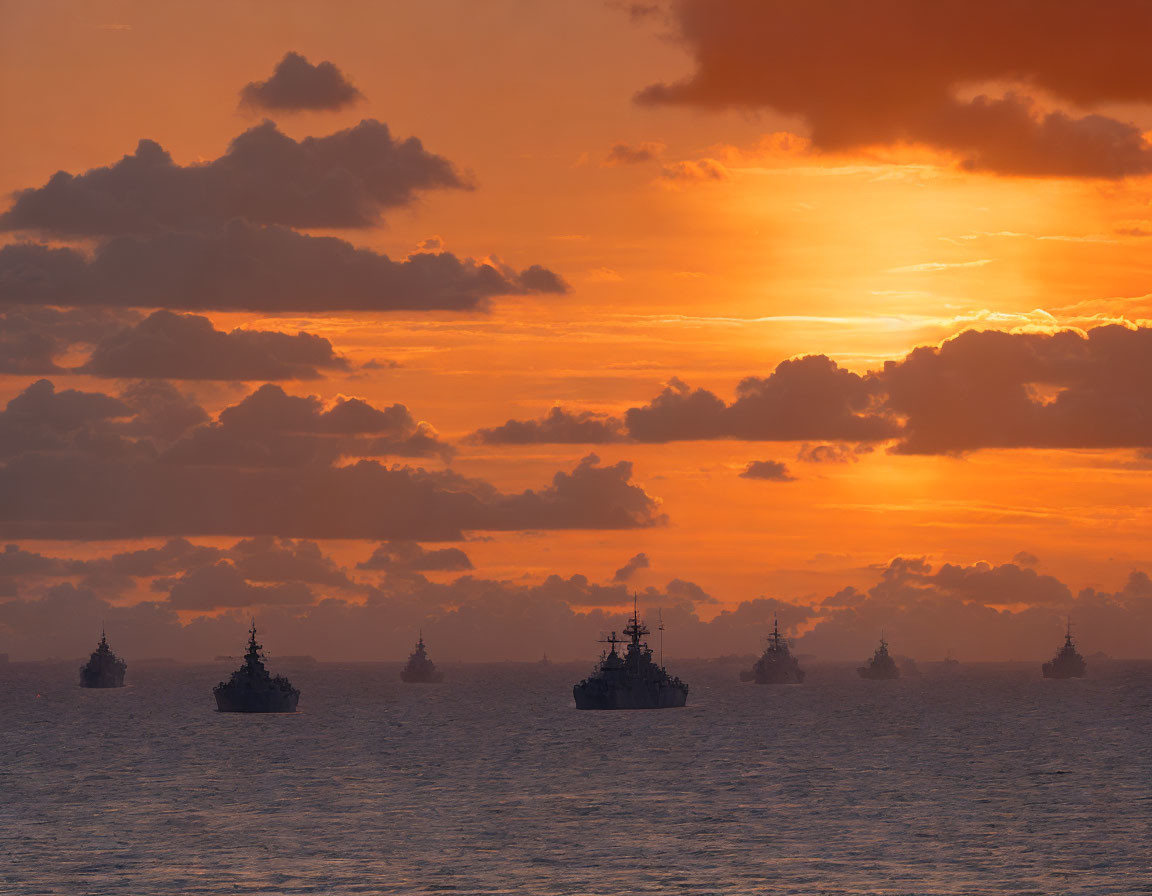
x=244, y=267
x=298, y=85
x=89, y=465
x=345, y=179
x=978, y=390
x=896, y=72
x=769, y=470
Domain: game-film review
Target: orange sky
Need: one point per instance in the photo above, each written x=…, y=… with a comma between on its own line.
x=738, y=245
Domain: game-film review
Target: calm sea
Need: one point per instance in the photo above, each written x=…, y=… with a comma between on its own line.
x=988, y=780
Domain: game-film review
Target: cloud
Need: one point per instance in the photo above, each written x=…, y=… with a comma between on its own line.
x=185, y=346
x=832, y=454
x=627, y=154
x=896, y=71
x=408, y=556
x=79, y=465
x=695, y=171
x=249, y=268
x=629, y=569
x=990, y=389
x=223, y=585
x=345, y=179
x=772, y=470
x=558, y=426
x=297, y=85
x=802, y=399
x=1025, y=558
x=31, y=338
x=268, y=559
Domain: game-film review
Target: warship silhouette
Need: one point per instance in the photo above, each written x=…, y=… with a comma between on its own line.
x=420, y=669
x=881, y=667
x=631, y=681
x=104, y=669
x=252, y=689
x=776, y=665
x=1067, y=663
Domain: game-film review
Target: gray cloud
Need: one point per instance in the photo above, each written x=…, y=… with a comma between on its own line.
x=628, y=570
x=558, y=426
x=402, y=556
x=297, y=85
x=243, y=267
x=345, y=179
x=185, y=346
x=772, y=470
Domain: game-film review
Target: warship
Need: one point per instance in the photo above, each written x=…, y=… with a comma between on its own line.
x=777, y=665
x=420, y=669
x=631, y=681
x=1067, y=663
x=881, y=667
x=104, y=669
x=252, y=689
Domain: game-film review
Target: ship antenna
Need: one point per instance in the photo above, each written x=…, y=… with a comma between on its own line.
x=660, y=628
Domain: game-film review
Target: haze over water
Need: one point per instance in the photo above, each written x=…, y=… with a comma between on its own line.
x=987, y=781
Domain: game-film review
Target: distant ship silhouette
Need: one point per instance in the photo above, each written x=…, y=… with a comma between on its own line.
x=252, y=689
x=881, y=667
x=632, y=681
x=104, y=669
x=419, y=669
x=1067, y=663
x=776, y=665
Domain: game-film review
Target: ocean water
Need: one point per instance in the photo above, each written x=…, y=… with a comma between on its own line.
x=988, y=780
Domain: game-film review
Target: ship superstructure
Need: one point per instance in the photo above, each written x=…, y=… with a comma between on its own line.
x=881, y=667
x=104, y=669
x=419, y=669
x=776, y=665
x=632, y=679
x=252, y=689
x=1068, y=663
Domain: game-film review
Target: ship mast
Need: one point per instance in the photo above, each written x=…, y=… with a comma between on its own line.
x=660, y=628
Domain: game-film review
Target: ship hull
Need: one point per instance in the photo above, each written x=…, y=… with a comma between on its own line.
x=778, y=676
x=1051, y=671
x=878, y=675
x=638, y=696
x=228, y=700
x=102, y=681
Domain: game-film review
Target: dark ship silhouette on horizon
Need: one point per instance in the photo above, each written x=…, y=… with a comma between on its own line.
x=776, y=665
x=1068, y=663
x=104, y=669
x=881, y=667
x=419, y=669
x=252, y=689
x=631, y=681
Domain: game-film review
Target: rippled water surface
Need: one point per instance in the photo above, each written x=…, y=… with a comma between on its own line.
x=990, y=780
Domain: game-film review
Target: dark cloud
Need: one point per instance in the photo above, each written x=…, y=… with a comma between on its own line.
x=223, y=585
x=345, y=179
x=298, y=85
x=1025, y=558
x=804, y=398
x=270, y=428
x=627, y=154
x=400, y=556
x=990, y=389
x=186, y=346
x=558, y=426
x=772, y=470
x=243, y=267
x=638, y=562
x=31, y=338
x=268, y=559
x=832, y=454
x=891, y=72
x=76, y=468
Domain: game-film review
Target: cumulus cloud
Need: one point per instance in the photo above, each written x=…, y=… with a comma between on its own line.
x=627, y=154
x=223, y=585
x=558, y=426
x=695, y=171
x=628, y=570
x=31, y=338
x=298, y=85
x=345, y=179
x=990, y=389
x=248, y=268
x=896, y=71
x=407, y=556
x=185, y=346
x=772, y=470
x=804, y=398
x=77, y=465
